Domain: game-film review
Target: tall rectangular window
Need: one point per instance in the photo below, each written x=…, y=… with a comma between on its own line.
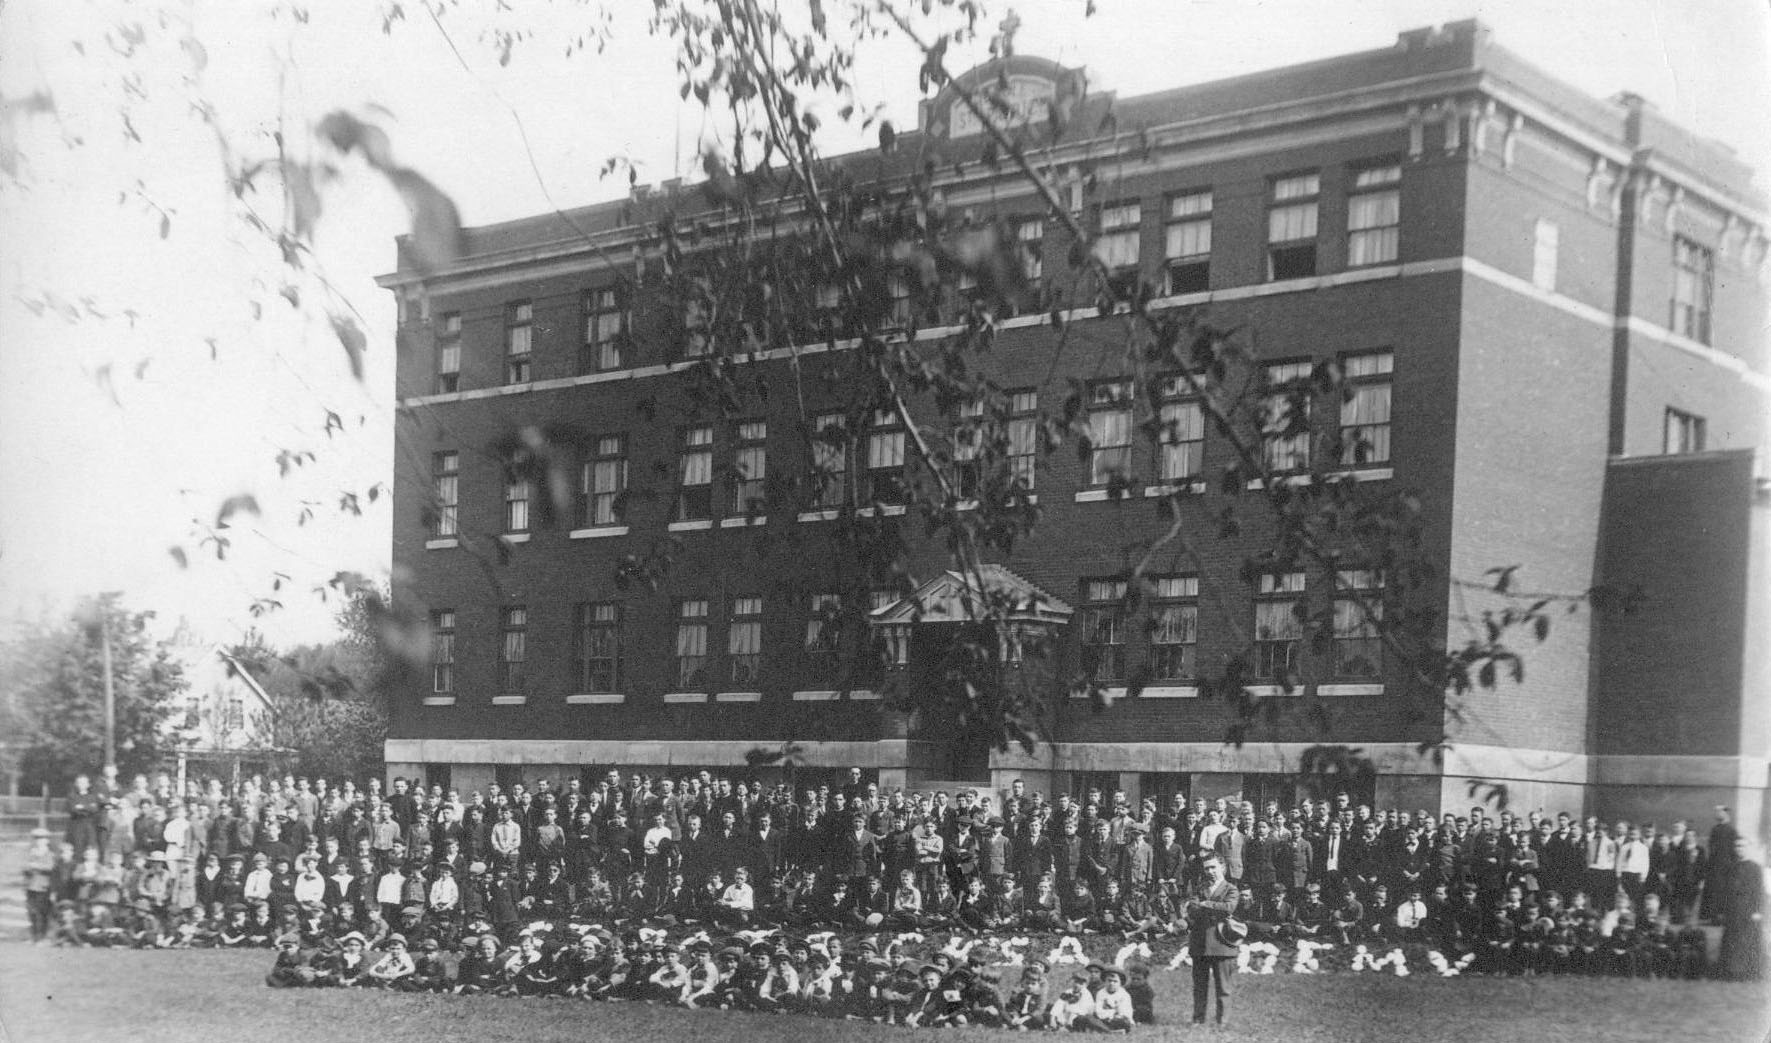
x=1023, y=438
x=1694, y=277
x=823, y=628
x=750, y=469
x=446, y=490
x=903, y=306
x=449, y=354
x=968, y=439
x=1374, y=215
x=830, y=460
x=1103, y=628
x=1365, y=409
x=442, y=652
x=744, y=641
x=1119, y=244
x=516, y=504
x=885, y=459
x=513, y=656
x=893, y=645
x=605, y=323
x=694, y=499
x=697, y=335
x=1174, y=628
x=519, y=335
x=1684, y=432
x=1109, y=432
x=602, y=482
x=597, y=647
x=1187, y=245
x=1291, y=226
x=1030, y=237
x=1285, y=435
x=691, y=644
x=1358, y=612
x=1279, y=625
x=1182, y=436
x=1546, y=241
x=233, y=715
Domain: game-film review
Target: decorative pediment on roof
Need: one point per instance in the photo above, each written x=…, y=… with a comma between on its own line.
x=956, y=597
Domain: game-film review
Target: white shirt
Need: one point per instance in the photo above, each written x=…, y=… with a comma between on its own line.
x=387, y=889
x=258, y=884
x=1065, y=1012
x=445, y=894
x=310, y=887
x=1632, y=857
x=739, y=896
x=1411, y=914
x=1113, y=1005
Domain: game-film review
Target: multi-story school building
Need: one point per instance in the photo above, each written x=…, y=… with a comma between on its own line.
x=1553, y=307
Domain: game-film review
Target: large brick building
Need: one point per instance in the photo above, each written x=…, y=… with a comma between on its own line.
x=1554, y=306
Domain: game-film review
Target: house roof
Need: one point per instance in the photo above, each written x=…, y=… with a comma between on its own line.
x=955, y=597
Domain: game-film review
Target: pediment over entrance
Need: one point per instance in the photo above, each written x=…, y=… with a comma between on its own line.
x=956, y=597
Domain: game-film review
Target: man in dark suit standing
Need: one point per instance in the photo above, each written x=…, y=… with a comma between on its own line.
x=1214, y=957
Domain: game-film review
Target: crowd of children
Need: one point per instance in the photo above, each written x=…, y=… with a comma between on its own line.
x=707, y=890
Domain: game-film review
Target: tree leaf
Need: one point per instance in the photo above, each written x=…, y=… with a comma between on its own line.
x=355, y=343
x=436, y=223
x=242, y=503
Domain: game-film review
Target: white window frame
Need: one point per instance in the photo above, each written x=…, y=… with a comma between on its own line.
x=1187, y=240
x=519, y=342
x=1374, y=216
x=1367, y=408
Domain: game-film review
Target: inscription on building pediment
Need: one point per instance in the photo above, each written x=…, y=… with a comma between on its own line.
x=1026, y=100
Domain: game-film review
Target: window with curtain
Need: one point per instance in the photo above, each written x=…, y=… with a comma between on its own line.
x=1109, y=432
x=1374, y=213
x=691, y=644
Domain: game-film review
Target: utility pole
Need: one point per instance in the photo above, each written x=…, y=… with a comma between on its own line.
x=104, y=639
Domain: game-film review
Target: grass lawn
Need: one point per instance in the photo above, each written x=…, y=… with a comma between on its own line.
x=109, y=995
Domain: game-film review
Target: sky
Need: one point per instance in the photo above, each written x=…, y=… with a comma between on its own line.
x=181, y=372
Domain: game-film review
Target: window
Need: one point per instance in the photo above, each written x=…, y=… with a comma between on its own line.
x=827, y=309
x=516, y=504
x=1279, y=625
x=830, y=456
x=1118, y=246
x=697, y=338
x=604, y=325
x=1546, y=241
x=750, y=469
x=446, y=485
x=1174, y=628
x=1291, y=227
x=1188, y=243
x=691, y=644
x=1694, y=275
x=1182, y=437
x=442, y=652
x=602, y=482
x=885, y=459
x=1358, y=609
x=694, y=501
x=1365, y=409
x=1109, y=432
x=598, y=647
x=233, y=715
x=1286, y=449
x=515, y=652
x=449, y=354
x=968, y=438
x=744, y=641
x=902, y=307
x=519, y=334
x=824, y=625
x=1023, y=438
x=1684, y=432
x=1374, y=213
x=1030, y=234
x=1103, y=629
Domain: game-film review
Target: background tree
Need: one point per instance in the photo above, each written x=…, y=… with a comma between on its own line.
x=329, y=702
x=52, y=677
